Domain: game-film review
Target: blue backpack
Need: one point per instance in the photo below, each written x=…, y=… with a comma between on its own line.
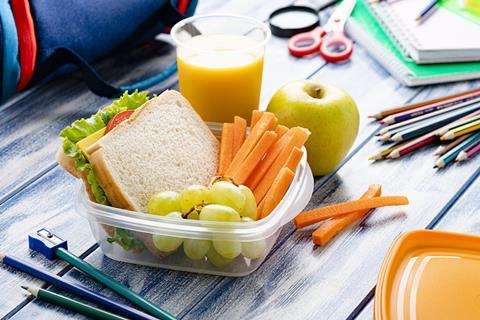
x=39, y=38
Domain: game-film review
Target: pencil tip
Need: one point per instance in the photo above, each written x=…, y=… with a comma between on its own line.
x=24, y=287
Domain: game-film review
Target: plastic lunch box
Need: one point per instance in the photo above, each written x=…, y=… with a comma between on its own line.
x=430, y=274
x=102, y=217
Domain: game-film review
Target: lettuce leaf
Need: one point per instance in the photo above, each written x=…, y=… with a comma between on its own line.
x=125, y=102
x=126, y=239
x=81, y=129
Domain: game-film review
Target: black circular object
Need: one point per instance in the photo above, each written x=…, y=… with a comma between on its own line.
x=291, y=20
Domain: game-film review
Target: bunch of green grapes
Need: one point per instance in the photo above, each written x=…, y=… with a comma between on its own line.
x=223, y=202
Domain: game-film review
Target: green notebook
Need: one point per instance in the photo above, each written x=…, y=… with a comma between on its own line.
x=363, y=27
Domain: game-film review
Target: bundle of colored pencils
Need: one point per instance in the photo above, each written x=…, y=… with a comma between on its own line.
x=452, y=121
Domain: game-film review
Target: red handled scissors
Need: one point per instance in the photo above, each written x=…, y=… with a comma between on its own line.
x=329, y=40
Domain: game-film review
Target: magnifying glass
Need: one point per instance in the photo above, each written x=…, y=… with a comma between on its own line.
x=291, y=20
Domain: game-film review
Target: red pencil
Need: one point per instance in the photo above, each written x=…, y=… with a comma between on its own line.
x=469, y=152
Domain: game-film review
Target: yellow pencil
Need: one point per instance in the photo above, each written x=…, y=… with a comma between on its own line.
x=460, y=131
x=383, y=154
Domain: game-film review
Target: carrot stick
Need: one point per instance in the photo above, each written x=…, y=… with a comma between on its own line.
x=240, y=131
x=260, y=208
x=277, y=191
x=334, y=226
x=307, y=218
x=294, y=158
x=269, y=159
x=252, y=160
x=226, y=147
x=266, y=122
x=299, y=137
x=256, y=115
x=281, y=130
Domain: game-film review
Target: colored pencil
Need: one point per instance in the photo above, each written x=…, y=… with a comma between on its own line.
x=445, y=148
x=460, y=122
x=454, y=97
x=427, y=10
x=470, y=153
x=460, y=131
x=385, y=135
x=76, y=289
x=432, y=124
x=71, y=304
x=384, y=153
x=412, y=145
x=113, y=284
x=431, y=113
x=451, y=155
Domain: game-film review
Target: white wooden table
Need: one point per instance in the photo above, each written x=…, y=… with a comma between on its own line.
x=298, y=280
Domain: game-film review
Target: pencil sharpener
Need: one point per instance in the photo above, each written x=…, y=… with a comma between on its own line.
x=46, y=243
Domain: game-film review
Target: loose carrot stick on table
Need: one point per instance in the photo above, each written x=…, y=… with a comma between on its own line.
x=307, y=218
x=256, y=115
x=277, y=191
x=240, y=132
x=334, y=226
x=252, y=160
x=300, y=136
x=266, y=122
x=226, y=148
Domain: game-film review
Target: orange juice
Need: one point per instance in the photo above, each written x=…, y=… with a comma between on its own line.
x=221, y=75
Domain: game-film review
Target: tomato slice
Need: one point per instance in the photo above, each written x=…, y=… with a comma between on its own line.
x=118, y=118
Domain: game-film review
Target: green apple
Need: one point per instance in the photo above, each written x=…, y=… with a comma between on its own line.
x=327, y=111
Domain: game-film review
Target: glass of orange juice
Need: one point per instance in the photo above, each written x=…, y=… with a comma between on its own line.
x=220, y=64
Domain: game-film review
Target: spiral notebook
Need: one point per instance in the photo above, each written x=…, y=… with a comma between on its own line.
x=450, y=34
x=364, y=28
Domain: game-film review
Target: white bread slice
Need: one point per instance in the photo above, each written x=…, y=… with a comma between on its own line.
x=165, y=145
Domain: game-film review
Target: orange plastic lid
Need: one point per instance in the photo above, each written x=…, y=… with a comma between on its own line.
x=430, y=275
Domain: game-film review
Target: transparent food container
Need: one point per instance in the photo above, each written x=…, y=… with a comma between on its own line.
x=253, y=239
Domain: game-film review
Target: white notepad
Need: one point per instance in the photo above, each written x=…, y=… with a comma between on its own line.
x=442, y=37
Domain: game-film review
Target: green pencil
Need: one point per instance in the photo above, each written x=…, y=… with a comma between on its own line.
x=71, y=304
x=113, y=284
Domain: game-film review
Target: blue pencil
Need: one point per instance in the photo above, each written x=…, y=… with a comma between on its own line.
x=79, y=290
x=427, y=10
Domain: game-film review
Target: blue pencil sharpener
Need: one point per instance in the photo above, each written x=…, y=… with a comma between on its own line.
x=46, y=243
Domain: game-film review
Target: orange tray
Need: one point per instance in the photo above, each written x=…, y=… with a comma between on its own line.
x=430, y=275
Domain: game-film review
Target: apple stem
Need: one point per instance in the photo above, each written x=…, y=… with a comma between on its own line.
x=318, y=93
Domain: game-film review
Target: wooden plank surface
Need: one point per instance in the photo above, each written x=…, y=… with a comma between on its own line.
x=296, y=279
x=29, y=145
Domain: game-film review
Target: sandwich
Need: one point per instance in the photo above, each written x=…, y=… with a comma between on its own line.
x=135, y=147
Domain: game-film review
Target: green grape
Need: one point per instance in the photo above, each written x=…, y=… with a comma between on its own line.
x=194, y=215
x=196, y=249
x=227, y=194
x=166, y=243
x=216, y=212
x=192, y=196
x=250, y=208
x=216, y=259
x=253, y=249
x=228, y=249
x=163, y=202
